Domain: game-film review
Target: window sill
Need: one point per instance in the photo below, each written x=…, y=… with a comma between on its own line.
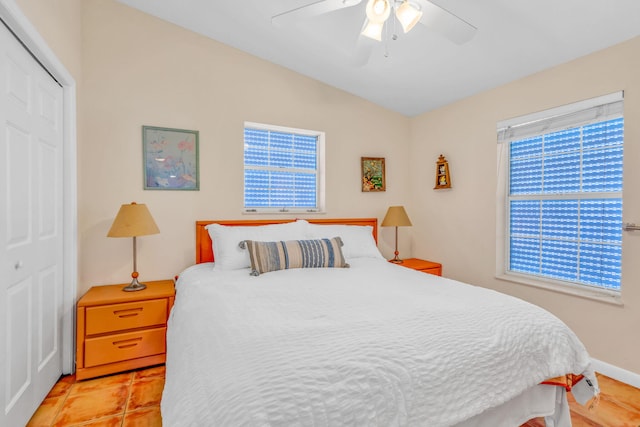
x=600, y=295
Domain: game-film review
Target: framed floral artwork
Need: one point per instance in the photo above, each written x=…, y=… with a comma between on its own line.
x=373, y=175
x=170, y=158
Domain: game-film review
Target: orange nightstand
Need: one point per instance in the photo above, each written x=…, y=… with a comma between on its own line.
x=118, y=331
x=422, y=265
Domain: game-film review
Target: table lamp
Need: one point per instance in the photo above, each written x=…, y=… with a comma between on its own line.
x=396, y=217
x=132, y=221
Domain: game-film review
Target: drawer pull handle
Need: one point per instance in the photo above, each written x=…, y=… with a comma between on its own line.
x=127, y=313
x=127, y=343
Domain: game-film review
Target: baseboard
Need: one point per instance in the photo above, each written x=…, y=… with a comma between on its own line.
x=616, y=373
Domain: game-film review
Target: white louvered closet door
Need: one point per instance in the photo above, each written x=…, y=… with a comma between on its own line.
x=31, y=231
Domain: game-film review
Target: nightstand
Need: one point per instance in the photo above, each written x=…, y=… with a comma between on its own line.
x=118, y=331
x=422, y=265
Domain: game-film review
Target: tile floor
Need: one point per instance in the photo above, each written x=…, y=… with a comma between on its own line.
x=131, y=399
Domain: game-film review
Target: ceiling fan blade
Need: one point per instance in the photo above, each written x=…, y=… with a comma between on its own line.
x=308, y=11
x=446, y=23
x=363, y=50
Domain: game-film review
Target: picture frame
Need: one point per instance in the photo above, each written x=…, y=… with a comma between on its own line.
x=443, y=180
x=372, y=174
x=170, y=158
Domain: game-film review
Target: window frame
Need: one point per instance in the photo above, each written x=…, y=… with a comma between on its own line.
x=503, y=202
x=320, y=170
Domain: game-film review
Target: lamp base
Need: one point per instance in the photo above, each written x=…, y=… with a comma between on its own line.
x=134, y=286
x=396, y=259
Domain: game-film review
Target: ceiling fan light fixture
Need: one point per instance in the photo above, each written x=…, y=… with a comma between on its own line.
x=373, y=30
x=408, y=14
x=378, y=10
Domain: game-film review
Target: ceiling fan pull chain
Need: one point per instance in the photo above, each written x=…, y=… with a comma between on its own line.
x=394, y=36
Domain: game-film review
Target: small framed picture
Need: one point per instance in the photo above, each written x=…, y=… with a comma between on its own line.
x=170, y=158
x=373, y=175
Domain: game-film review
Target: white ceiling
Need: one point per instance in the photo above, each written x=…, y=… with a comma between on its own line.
x=423, y=70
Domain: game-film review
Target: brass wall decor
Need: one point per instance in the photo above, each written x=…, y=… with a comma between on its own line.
x=442, y=174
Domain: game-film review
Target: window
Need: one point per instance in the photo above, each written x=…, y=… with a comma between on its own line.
x=283, y=169
x=563, y=194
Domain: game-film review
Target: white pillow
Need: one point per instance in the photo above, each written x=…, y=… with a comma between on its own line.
x=227, y=253
x=358, y=239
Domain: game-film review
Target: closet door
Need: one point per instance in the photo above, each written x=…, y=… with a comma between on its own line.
x=31, y=245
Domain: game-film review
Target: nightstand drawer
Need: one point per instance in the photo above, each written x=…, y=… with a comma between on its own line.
x=118, y=347
x=118, y=317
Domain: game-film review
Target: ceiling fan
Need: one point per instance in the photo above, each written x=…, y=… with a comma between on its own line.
x=408, y=12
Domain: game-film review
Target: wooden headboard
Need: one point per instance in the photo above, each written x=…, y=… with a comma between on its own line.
x=204, y=250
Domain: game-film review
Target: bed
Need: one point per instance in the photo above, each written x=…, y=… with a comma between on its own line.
x=365, y=343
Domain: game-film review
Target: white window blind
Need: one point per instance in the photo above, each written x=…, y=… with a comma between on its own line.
x=564, y=195
x=282, y=169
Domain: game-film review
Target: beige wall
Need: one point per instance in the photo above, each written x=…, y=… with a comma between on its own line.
x=59, y=23
x=458, y=226
x=139, y=70
x=135, y=70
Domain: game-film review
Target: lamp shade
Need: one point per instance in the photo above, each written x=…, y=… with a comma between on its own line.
x=378, y=10
x=396, y=217
x=373, y=30
x=408, y=15
x=133, y=220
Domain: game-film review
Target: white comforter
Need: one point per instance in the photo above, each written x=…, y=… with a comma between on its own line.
x=372, y=345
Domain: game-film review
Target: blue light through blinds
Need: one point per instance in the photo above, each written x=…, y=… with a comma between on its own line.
x=565, y=204
x=280, y=169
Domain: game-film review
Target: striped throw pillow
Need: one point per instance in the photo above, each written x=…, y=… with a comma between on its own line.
x=272, y=256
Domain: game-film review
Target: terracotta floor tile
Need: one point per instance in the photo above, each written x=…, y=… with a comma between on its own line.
x=156, y=371
x=113, y=421
x=93, y=405
x=623, y=394
x=145, y=392
x=536, y=422
x=99, y=383
x=608, y=414
x=578, y=420
x=62, y=386
x=146, y=417
x=47, y=412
